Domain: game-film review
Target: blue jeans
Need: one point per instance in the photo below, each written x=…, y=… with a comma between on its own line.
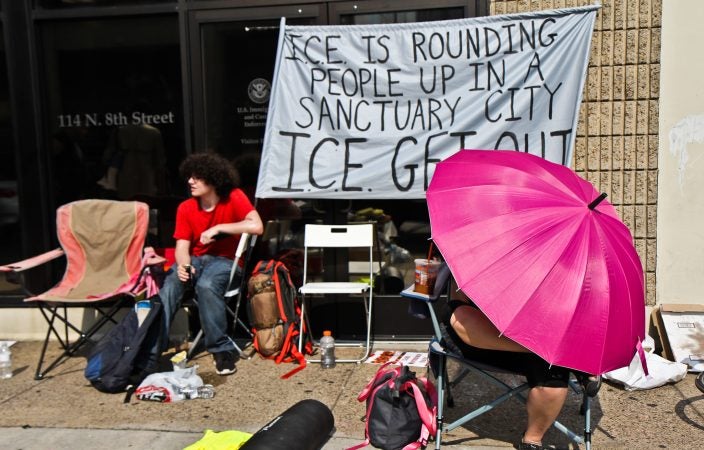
x=212, y=274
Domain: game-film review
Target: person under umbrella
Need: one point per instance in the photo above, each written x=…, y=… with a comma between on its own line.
x=473, y=336
x=552, y=270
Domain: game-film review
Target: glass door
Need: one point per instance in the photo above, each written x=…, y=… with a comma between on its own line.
x=232, y=55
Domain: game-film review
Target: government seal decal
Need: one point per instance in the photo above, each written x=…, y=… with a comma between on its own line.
x=259, y=90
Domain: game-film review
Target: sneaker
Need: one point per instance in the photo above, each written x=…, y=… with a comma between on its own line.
x=224, y=363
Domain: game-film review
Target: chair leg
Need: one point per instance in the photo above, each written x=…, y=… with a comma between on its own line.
x=239, y=322
x=309, y=330
x=237, y=319
x=442, y=384
x=38, y=374
x=244, y=327
x=194, y=344
x=368, y=311
x=83, y=336
x=304, y=325
x=587, y=422
x=301, y=318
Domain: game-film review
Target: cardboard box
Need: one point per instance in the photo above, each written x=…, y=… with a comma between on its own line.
x=681, y=330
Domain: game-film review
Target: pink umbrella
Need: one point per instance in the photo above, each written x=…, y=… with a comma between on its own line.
x=542, y=254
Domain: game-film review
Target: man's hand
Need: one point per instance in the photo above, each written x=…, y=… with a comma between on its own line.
x=208, y=235
x=185, y=272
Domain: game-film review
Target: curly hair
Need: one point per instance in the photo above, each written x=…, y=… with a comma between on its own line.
x=213, y=169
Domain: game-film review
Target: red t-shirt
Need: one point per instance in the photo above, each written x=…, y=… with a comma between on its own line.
x=192, y=221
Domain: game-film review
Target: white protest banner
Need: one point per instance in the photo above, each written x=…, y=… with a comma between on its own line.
x=368, y=110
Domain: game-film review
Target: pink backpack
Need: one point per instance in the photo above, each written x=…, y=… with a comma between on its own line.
x=401, y=409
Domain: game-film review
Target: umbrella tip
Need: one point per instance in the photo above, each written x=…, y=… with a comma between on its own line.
x=597, y=200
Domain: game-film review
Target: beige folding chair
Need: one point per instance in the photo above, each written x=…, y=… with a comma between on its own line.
x=339, y=236
x=106, y=266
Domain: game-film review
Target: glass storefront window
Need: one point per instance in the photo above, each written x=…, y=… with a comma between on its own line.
x=114, y=101
x=10, y=239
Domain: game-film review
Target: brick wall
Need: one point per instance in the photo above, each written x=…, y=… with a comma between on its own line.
x=617, y=135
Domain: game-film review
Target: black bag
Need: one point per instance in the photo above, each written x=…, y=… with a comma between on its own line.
x=400, y=409
x=307, y=425
x=125, y=355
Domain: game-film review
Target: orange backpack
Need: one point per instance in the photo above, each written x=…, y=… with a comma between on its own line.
x=274, y=315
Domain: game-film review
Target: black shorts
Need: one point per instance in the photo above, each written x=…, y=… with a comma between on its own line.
x=536, y=370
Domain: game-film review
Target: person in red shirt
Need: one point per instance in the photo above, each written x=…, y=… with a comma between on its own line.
x=208, y=228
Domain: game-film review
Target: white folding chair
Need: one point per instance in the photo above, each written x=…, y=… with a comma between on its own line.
x=340, y=236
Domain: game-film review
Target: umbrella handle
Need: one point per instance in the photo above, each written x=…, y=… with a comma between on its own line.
x=596, y=201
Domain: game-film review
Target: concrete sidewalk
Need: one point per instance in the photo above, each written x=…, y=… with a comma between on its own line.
x=64, y=412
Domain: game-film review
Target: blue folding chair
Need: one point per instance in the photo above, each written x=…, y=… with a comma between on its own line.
x=440, y=352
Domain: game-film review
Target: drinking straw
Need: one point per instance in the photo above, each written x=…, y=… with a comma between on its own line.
x=430, y=251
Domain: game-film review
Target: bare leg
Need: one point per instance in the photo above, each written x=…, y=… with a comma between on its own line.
x=544, y=403
x=473, y=327
x=543, y=406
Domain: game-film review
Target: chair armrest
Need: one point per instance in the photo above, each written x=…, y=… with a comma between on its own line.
x=33, y=261
x=410, y=292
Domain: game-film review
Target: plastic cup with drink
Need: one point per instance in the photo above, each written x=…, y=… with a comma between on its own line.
x=426, y=274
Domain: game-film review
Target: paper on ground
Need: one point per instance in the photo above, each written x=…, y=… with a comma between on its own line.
x=412, y=359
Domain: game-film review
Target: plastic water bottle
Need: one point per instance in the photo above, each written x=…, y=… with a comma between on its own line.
x=142, y=308
x=327, y=350
x=5, y=361
x=192, y=392
x=206, y=391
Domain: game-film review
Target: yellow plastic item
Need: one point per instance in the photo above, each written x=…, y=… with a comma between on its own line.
x=223, y=440
x=179, y=360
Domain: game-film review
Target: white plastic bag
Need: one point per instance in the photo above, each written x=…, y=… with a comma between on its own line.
x=167, y=387
x=660, y=370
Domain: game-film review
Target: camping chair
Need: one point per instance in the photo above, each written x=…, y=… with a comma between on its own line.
x=235, y=288
x=339, y=236
x=440, y=352
x=103, y=242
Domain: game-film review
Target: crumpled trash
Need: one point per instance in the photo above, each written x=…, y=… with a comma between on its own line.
x=168, y=387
